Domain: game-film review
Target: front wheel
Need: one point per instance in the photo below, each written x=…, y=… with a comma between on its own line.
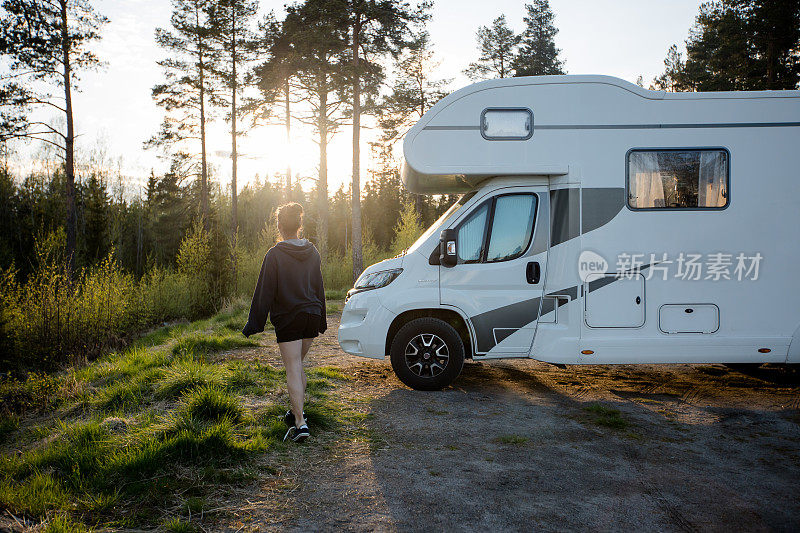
x=427, y=354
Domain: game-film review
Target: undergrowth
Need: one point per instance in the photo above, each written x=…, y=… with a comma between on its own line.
x=146, y=437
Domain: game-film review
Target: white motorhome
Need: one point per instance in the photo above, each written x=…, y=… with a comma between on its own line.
x=600, y=223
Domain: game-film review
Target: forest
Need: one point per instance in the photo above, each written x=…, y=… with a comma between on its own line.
x=86, y=262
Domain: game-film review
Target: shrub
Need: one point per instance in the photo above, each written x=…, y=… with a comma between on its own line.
x=408, y=229
x=55, y=316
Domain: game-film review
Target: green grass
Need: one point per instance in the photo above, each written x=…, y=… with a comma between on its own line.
x=512, y=440
x=177, y=525
x=209, y=403
x=183, y=376
x=147, y=437
x=606, y=417
x=8, y=425
x=332, y=294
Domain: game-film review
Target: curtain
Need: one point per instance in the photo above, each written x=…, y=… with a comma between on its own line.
x=648, y=187
x=470, y=235
x=711, y=187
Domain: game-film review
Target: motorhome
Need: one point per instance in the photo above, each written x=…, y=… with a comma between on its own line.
x=598, y=223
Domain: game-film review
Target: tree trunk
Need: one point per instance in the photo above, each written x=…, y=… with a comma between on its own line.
x=203, y=163
x=322, y=184
x=69, y=141
x=288, y=140
x=355, y=193
x=234, y=154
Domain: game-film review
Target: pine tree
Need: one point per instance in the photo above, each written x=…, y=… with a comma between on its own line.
x=674, y=76
x=96, y=210
x=189, y=85
x=538, y=55
x=497, y=45
x=738, y=45
x=274, y=77
x=317, y=30
x=47, y=42
x=376, y=29
x=414, y=91
x=230, y=21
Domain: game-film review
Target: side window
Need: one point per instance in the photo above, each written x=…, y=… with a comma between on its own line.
x=499, y=230
x=471, y=233
x=512, y=226
x=677, y=179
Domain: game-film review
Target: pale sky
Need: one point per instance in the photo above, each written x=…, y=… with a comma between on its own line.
x=624, y=38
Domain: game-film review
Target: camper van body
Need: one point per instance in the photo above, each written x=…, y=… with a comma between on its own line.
x=602, y=265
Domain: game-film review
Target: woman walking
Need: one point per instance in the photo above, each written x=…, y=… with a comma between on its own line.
x=290, y=291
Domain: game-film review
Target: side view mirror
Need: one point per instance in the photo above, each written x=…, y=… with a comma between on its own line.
x=448, y=254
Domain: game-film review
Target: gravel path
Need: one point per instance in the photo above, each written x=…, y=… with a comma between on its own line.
x=512, y=446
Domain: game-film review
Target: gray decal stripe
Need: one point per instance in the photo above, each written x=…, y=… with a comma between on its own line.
x=600, y=205
x=500, y=335
x=516, y=315
x=452, y=128
x=664, y=126
x=572, y=292
x=512, y=316
x=564, y=215
x=632, y=126
x=607, y=280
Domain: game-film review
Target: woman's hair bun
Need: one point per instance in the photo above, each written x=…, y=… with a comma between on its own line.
x=290, y=217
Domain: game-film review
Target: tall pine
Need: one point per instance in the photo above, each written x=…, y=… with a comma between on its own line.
x=231, y=22
x=497, y=45
x=538, y=55
x=317, y=30
x=738, y=45
x=414, y=91
x=377, y=28
x=189, y=85
x=46, y=43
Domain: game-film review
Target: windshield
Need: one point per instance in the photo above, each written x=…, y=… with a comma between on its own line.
x=442, y=219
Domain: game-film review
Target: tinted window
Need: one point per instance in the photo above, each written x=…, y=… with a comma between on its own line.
x=512, y=226
x=675, y=179
x=471, y=234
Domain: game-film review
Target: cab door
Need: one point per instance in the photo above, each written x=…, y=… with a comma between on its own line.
x=501, y=247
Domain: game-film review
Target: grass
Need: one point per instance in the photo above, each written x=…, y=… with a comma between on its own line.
x=332, y=294
x=606, y=417
x=512, y=440
x=148, y=437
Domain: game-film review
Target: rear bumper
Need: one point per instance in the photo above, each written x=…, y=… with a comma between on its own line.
x=364, y=325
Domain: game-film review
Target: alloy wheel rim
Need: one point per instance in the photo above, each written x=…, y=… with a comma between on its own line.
x=427, y=355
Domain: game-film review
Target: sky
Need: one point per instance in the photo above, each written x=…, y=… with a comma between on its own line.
x=114, y=109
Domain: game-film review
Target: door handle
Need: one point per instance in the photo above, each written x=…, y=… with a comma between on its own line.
x=638, y=300
x=533, y=272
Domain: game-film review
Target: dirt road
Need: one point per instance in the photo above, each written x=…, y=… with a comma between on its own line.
x=522, y=446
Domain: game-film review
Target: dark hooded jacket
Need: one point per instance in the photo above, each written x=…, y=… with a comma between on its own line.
x=290, y=283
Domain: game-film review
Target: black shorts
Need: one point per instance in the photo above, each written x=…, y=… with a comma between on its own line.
x=302, y=326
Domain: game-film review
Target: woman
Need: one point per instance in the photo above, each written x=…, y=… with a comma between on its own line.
x=290, y=290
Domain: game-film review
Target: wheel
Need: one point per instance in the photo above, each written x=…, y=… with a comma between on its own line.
x=427, y=354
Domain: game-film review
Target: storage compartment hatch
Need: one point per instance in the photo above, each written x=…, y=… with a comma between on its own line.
x=688, y=318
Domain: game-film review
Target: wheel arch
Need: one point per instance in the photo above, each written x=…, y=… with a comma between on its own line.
x=450, y=316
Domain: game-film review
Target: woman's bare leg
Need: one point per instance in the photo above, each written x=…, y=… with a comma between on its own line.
x=292, y=355
x=306, y=346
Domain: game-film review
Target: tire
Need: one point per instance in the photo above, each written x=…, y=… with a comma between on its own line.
x=427, y=354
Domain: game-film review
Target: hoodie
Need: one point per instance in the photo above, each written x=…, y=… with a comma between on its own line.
x=290, y=282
